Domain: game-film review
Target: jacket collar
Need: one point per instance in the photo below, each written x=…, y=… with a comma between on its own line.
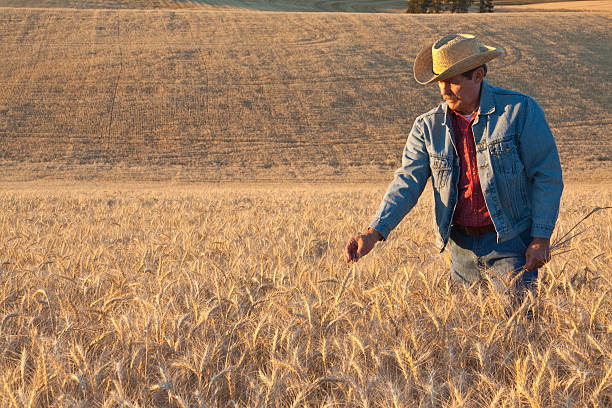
x=487, y=104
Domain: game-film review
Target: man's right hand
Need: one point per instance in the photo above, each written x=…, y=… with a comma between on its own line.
x=361, y=245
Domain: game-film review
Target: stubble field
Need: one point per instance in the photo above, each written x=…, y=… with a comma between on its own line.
x=245, y=95
x=142, y=267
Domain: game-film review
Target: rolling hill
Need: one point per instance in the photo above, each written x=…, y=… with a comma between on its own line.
x=219, y=94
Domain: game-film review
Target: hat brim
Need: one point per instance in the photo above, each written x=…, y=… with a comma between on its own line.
x=423, y=64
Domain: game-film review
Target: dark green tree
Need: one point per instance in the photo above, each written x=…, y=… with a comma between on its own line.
x=465, y=5
x=454, y=6
x=486, y=6
x=418, y=6
x=436, y=6
x=459, y=6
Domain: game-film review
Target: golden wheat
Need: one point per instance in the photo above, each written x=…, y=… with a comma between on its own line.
x=187, y=296
x=145, y=295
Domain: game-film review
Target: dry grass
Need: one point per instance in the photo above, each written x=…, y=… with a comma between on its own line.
x=169, y=296
x=222, y=95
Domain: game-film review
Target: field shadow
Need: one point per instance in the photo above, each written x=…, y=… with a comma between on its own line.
x=347, y=6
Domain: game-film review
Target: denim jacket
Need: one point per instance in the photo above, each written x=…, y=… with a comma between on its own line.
x=518, y=165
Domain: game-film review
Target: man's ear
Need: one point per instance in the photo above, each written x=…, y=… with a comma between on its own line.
x=478, y=75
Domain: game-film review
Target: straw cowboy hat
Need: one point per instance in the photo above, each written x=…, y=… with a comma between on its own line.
x=452, y=55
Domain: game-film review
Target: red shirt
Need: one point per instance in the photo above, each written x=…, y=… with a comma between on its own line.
x=471, y=209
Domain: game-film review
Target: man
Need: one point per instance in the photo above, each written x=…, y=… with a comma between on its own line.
x=495, y=172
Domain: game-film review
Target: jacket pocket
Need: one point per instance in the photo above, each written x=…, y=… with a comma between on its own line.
x=441, y=169
x=504, y=155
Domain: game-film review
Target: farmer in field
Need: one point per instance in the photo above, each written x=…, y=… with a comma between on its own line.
x=495, y=172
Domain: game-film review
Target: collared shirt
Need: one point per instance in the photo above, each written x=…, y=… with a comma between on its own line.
x=471, y=209
x=518, y=166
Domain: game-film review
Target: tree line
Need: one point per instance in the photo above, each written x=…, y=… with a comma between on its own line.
x=454, y=6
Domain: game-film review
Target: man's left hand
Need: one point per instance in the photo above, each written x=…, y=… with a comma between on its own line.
x=537, y=254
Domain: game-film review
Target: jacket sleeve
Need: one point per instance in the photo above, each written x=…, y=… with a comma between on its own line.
x=407, y=185
x=543, y=169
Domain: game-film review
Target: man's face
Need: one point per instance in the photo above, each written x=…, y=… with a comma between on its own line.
x=462, y=94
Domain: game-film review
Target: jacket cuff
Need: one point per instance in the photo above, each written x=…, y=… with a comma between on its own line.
x=381, y=228
x=541, y=230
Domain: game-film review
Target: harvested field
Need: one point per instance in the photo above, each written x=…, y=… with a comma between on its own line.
x=584, y=5
x=220, y=95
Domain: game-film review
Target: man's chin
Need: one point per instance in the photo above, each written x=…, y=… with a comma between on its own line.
x=452, y=104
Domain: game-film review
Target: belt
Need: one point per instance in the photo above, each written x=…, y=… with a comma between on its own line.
x=475, y=231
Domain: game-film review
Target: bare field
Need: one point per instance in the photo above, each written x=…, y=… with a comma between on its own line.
x=584, y=5
x=155, y=295
x=238, y=95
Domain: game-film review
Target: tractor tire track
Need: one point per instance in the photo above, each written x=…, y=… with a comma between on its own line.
x=113, y=101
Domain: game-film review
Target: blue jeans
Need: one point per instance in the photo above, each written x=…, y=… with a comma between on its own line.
x=480, y=258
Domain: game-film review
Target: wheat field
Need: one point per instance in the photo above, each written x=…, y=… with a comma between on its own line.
x=179, y=179
x=238, y=295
